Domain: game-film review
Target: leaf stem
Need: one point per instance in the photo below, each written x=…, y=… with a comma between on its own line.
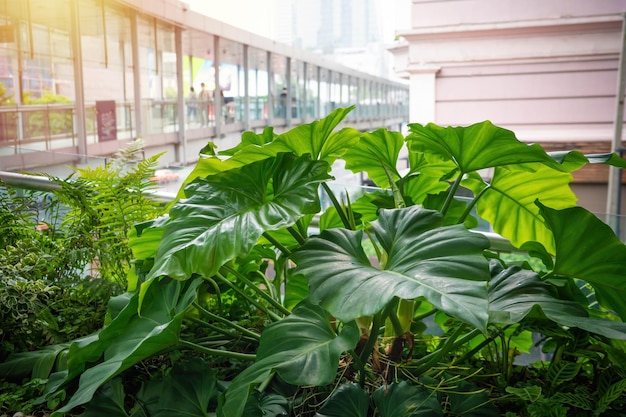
x=338, y=207
x=271, y=314
x=451, y=193
x=276, y=243
x=227, y=322
x=217, y=352
x=377, y=321
x=471, y=205
x=296, y=235
x=257, y=290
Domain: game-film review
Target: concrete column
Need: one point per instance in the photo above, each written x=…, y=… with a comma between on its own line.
x=79, y=84
x=422, y=95
x=134, y=39
x=181, y=149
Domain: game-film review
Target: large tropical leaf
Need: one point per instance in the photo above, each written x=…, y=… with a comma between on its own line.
x=39, y=363
x=468, y=401
x=587, y=249
x=317, y=138
x=573, y=160
x=186, y=391
x=508, y=203
x=302, y=348
x=443, y=264
x=374, y=153
x=109, y=401
x=406, y=400
x=348, y=400
x=225, y=214
x=472, y=148
x=515, y=294
x=128, y=339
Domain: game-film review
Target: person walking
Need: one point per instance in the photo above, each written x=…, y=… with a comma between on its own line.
x=192, y=105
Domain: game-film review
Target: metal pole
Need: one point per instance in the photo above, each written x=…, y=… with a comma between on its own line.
x=614, y=184
x=79, y=84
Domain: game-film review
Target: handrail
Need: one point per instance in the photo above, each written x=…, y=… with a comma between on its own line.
x=41, y=183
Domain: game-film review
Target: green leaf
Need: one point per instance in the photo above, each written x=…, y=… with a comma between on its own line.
x=317, y=138
x=186, y=391
x=406, y=400
x=508, y=203
x=38, y=364
x=573, y=160
x=302, y=348
x=467, y=400
x=515, y=293
x=531, y=393
x=128, y=339
x=420, y=187
x=375, y=152
x=109, y=401
x=561, y=372
x=225, y=214
x=348, y=400
x=250, y=138
x=611, y=394
x=576, y=400
x=296, y=290
x=587, y=249
x=472, y=148
x=443, y=264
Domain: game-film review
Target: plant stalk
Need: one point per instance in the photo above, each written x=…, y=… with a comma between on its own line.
x=229, y=323
x=257, y=290
x=451, y=193
x=251, y=300
x=217, y=352
x=338, y=207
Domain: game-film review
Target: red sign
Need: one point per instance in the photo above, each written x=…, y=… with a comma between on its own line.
x=106, y=120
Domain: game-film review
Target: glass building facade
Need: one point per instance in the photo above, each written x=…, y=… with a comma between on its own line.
x=86, y=76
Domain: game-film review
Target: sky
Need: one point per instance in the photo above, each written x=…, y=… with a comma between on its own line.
x=259, y=16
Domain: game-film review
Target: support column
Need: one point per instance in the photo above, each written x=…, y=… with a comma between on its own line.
x=217, y=93
x=246, y=91
x=181, y=149
x=422, y=95
x=613, y=192
x=134, y=39
x=79, y=84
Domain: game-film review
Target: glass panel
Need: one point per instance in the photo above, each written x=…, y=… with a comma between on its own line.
x=231, y=81
x=198, y=58
x=258, y=83
x=279, y=85
x=325, y=103
x=312, y=87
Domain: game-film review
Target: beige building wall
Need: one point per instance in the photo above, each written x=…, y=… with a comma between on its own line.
x=546, y=69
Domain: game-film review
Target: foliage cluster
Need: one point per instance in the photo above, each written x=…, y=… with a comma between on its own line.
x=63, y=255
x=248, y=301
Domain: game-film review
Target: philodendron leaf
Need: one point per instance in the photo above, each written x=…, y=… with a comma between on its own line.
x=302, y=348
x=475, y=147
x=225, y=214
x=186, y=391
x=128, y=339
x=573, y=160
x=508, y=203
x=516, y=293
x=348, y=400
x=443, y=264
x=318, y=139
x=406, y=400
x=109, y=401
x=375, y=152
x=587, y=249
x=467, y=400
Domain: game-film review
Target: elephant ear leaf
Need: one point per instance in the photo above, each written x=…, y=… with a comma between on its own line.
x=225, y=214
x=587, y=249
x=375, y=152
x=406, y=400
x=302, y=348
x=444, y=264
x=508, y=202
x=475, y=147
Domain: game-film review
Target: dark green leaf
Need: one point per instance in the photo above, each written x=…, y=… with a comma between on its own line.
x=225, y=214
x=530, y=394
x=406, y=400
x=587, y=249
x=443, y=264
x=109, y=401
x=561, y=372
x=348, y=400
x=128, y=339
x=302, y=348
x=467, y=400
